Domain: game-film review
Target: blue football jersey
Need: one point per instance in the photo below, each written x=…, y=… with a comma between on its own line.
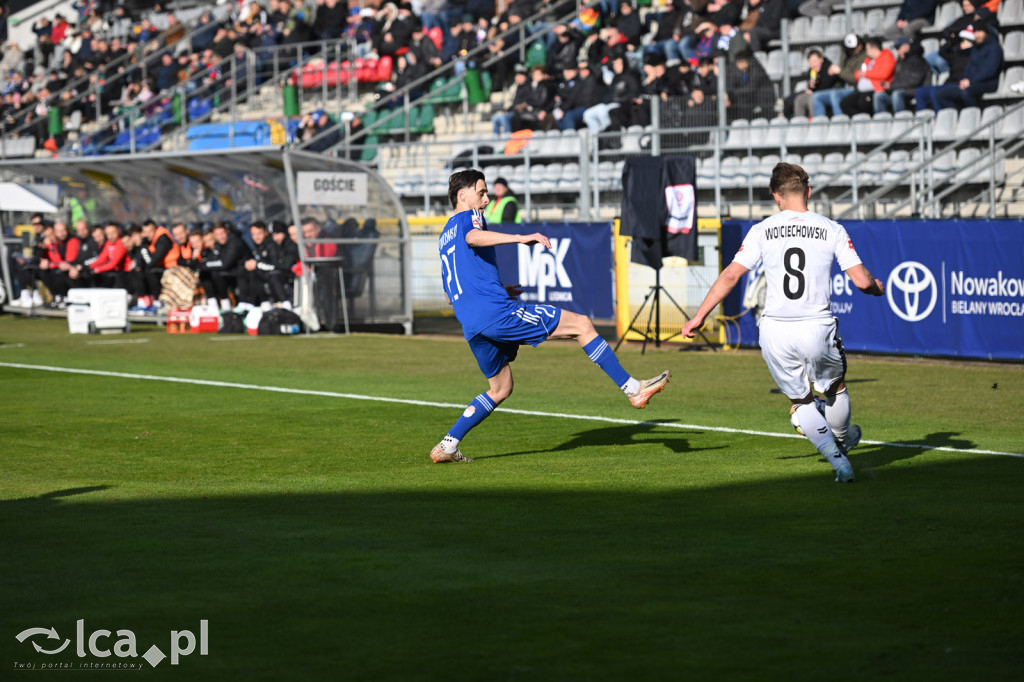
x=470, y=275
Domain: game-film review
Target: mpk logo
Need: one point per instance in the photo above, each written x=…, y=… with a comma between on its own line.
x=544, y=269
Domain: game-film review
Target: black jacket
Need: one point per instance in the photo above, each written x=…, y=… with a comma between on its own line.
x=630, y=26
x=568, y=94
x=287, y=254
x=540, y=96
x=670, y=23
x=824, y=80
x=164, y=244
x=88, y=252
x=565, y=53
x=625, y=87
x=591, y=90
x=912, y=71
x=266, y=255
x=224, y=257
x=520, y=98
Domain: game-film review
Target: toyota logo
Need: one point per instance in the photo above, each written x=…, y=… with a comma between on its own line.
x=913, y=281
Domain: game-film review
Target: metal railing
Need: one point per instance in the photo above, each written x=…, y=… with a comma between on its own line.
x=592, y=186
x=91, y=85
x=225, y=93
x=403, y=94
x=928, y=202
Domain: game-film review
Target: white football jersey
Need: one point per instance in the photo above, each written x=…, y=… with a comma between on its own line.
x=797, y=250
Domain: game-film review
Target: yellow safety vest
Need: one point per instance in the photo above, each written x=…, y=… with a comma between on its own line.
x=496, y=208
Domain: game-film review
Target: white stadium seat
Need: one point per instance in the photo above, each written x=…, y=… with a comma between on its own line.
x=1013, y=46
x=988, y=115
x=838, y=130
x=1011, y=13
x=570, y=180
x=1012, y=126
x=831, y=164
x=899, y=160
x=765, y=165
x=967, y=121
x=858, y=127
x=758, y=130
x=968, y=169
x=947, y=14
x=944, y=127
x=738, y=135
x=730, y=172
x=877, y=131
x=812, y=163
x=836, y=28
x=874, y=22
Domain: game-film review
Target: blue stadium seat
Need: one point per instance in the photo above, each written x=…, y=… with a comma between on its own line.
x=199, y=107
x=145, y=136
x=219, y=135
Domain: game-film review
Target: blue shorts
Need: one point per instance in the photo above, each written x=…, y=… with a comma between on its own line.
x=499, y=343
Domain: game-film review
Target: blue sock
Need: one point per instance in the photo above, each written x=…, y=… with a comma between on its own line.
x=604, y=357
x=476, y=412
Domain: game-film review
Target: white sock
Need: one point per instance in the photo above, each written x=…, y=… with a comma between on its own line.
x=631, y=387
x=449, y=444
x=817, y=431
x=837, y=413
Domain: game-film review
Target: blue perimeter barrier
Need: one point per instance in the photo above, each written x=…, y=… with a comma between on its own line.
x=575, y=274
x=953, y=288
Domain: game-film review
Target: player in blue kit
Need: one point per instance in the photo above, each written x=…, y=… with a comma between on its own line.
x=495, y=323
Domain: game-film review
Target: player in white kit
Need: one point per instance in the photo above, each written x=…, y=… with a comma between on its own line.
x=800, y=339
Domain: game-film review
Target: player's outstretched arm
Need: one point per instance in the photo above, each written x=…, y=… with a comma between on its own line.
x=477, y=238
x=725, y=283
x=863, y=280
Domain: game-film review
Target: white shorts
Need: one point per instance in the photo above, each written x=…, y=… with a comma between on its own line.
x=800, y=352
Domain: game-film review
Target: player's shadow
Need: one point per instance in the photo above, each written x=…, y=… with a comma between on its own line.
x=645, y=434
x=873, y=456
x=53, y=497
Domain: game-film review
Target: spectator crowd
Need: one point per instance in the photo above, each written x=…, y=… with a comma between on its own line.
x=159, y=266
x=601, y=70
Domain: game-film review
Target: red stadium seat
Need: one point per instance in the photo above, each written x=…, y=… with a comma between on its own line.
x=312, y=76
x=383, y=69
x=334, y=74
x=436, y=35
x=363, y=72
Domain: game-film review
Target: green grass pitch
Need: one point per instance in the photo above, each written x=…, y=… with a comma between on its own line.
x=317, y=540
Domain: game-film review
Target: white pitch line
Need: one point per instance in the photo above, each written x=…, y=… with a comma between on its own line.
x=5, y=346
x=460, y=406
x=115, y=342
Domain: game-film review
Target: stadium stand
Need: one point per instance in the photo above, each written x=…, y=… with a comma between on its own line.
x=249, y=67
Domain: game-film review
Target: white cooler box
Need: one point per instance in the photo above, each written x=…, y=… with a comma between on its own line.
x=91, y=311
